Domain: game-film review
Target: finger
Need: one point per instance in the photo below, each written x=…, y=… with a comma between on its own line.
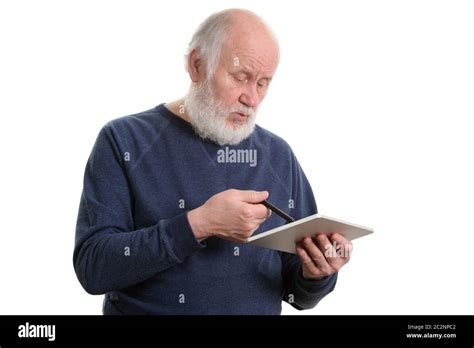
x=339, y=238
x=333, y=252
x=260, y=211
x=324, y=244
x=316, y=255
x=253, y=227
x=307, y=262
x=330, y=252
x=258, y=222
x=269, y=213
x=257, y=226
x=251, y=196
x=344, y=246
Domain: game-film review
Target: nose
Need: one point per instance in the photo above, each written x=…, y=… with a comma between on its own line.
x=249, y=96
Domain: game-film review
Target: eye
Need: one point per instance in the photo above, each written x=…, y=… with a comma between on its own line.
x=263, y=83
x=240, y=77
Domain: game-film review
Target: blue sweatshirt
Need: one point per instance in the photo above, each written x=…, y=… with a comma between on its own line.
x=133, y=240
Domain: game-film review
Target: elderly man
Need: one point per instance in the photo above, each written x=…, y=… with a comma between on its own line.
x=167, y=203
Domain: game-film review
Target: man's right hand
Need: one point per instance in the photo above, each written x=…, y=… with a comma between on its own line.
x=233, y=215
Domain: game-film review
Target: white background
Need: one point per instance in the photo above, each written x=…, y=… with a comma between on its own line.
x=375, y=98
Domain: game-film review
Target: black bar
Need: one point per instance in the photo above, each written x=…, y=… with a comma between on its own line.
x=292, y=330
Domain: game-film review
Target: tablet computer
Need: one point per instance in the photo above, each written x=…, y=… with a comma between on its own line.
x=284, y=237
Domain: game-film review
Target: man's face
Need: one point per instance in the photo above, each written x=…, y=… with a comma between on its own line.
x=242, y=76
x=224, y=107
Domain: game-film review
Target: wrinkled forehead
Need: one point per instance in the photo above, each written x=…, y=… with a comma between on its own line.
x=255, y=50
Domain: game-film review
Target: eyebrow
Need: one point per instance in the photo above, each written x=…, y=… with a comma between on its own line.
x=249, y=73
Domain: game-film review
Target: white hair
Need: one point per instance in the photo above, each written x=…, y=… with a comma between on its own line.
x=211, y=35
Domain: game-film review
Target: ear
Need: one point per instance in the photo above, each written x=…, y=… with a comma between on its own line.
x=195, y=68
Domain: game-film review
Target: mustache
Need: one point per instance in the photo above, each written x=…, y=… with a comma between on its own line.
x=243, y=110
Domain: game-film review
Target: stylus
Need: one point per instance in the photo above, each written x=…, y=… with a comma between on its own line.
x=277, y=211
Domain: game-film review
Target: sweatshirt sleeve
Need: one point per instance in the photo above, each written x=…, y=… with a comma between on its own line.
x=299, y=292
x=109, y=254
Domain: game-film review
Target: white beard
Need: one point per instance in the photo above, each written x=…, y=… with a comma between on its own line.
x=209, y=117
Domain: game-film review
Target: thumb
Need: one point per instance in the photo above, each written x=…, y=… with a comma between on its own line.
x=254, y=196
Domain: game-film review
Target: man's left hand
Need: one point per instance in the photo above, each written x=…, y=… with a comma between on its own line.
x=323, y=256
